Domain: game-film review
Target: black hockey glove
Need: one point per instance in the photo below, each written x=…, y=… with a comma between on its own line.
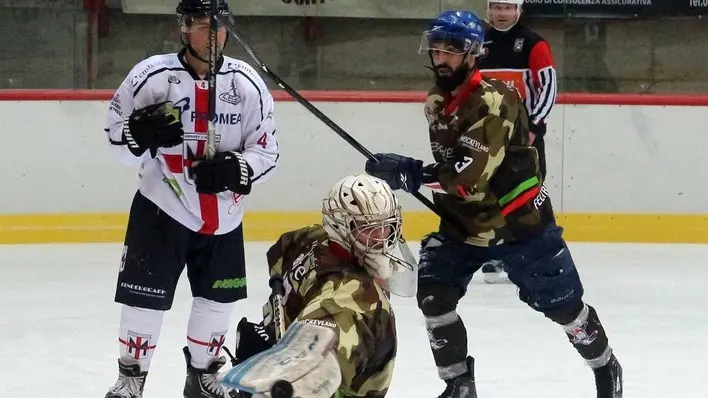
x=155, y=126
x=399, y=172
x=227, y=171
x=252, y=339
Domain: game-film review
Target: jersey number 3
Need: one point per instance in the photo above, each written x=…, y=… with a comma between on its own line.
x=462, y=164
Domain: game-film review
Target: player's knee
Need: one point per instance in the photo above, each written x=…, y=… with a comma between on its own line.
x=436, y=299
x=566, y=314
x=551, y=283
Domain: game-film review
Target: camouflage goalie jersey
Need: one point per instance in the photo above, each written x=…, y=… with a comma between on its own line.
x=487, y=167
x=324, y=286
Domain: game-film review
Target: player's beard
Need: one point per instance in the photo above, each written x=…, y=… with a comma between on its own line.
x=450, y=81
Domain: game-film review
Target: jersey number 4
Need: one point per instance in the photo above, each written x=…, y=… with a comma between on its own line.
x=263, y=141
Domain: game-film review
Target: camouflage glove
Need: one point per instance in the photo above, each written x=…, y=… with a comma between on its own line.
x=155, y=126
x=399, y=172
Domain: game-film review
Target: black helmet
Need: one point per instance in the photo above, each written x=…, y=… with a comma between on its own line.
x=193, y=8
x=189, y=10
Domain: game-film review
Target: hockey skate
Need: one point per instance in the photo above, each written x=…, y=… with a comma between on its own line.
x=493, y=272
x=462, y=386
x=202, y=383
x=608, y=379
x=131, y=382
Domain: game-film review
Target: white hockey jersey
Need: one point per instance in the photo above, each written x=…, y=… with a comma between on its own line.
x=244, y=123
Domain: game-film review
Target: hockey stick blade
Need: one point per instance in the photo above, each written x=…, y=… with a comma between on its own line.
x=307, y=104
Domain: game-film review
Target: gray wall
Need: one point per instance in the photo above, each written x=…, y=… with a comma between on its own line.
x=44, y=45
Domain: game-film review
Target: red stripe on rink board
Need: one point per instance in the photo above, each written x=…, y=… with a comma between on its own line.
x=208, y=204
x=379, y=96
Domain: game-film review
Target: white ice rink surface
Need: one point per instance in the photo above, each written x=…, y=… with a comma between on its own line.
x=59, y=325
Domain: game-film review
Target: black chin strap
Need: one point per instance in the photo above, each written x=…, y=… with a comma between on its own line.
x=191, y=50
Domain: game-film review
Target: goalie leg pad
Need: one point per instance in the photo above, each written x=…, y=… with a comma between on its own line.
x=302, y=348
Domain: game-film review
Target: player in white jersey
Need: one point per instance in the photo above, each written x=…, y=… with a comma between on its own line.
x=188, y=210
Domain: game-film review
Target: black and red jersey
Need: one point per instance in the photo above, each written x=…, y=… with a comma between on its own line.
x=522, y=59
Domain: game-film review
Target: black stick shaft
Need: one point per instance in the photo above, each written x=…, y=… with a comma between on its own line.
x=276, y=303
x=211, y=78
x=313, y=109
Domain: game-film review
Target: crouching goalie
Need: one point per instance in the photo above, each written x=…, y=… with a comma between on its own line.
x=340, y=337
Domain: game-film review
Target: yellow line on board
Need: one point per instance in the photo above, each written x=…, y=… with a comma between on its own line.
x=267, y=226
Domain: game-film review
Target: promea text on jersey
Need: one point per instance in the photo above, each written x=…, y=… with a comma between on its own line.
x=219, y=118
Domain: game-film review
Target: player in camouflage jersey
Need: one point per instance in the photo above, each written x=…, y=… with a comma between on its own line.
x=491, y=191
x=337, y=275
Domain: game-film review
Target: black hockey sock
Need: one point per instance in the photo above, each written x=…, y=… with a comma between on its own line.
x=448, y=341
x=588, y=337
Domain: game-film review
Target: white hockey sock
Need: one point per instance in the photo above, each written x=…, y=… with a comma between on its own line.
x=206, y=331
x=139, y=331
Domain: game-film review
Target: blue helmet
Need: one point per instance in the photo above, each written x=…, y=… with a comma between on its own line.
x=461, y=30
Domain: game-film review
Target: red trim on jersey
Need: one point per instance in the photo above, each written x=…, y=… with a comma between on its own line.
x=520, y=201
x=543, y=73
x=462, y=190
x=208, y=203
x=540, y=57
x=174, y=163
x=339, y=251
x=467, y=88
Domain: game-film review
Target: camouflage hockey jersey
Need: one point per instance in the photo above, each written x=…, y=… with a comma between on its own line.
x=493, y=190
x=324, y=286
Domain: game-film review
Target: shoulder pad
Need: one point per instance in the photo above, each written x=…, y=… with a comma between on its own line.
x=244, y=71
x=143, y=69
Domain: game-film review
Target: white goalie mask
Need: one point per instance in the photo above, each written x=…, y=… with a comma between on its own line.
x=362, y=214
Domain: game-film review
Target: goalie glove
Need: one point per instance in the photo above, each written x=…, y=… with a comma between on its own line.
x=155, y=126
x=302, y=359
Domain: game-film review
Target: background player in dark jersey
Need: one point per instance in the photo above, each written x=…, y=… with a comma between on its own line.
x=336, y=275
x=492, y=190
x=522, y=59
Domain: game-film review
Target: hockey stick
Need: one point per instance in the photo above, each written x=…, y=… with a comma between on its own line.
x=211, y=79
x=276, y=304
x=275, y=300
x=307, y=104
x=281, y=388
